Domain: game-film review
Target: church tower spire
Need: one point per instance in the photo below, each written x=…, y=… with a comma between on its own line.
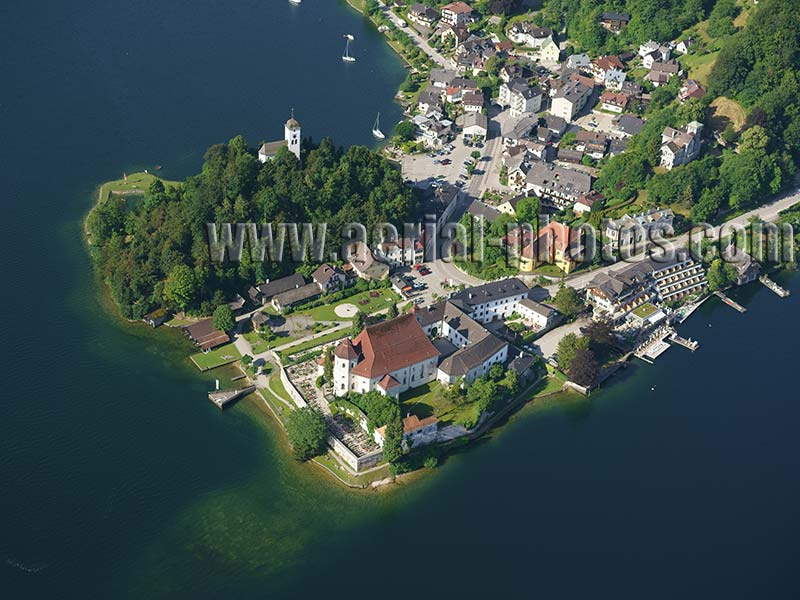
x=292, y=135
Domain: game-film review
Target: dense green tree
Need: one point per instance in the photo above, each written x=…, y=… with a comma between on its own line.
x=567, y=347
x=568, y=301
x=406, y=130
x=720, y=275
x=307, y=432
x=528, y=210
x=392, y=443
x=327, y=365
x=600, y=332
x=393, y=312
x=223, y=318
x=180, y=288
x=583, y=368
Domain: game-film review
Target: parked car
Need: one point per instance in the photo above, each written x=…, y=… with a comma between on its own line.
x=446, y=161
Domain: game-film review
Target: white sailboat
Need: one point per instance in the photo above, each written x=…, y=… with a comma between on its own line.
x=346, y=57
x=376, y=129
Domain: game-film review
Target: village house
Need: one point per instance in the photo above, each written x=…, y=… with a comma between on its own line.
x=660, y=54
x=442, y=78
x=405, y=251
x=422, y=15
x=509, y=205
x=510, y=71
x=479, y=210
x=552, y=245
x=263, y=294
x=467, y=349
x=680, y=146
x=520, y=97
x=593, y=143
x=390, y=357
x=430, y=100
x=295, y=296
x=491, y=301
x=514, y=131
x=613, y=101
x=638, y=228
x=683, y=46
x=579, y=62
x=747, y=268
x=570, y=99
x=586, y=202
x=528, y=34
x=691, y=90
x=205, y=335
x=440, y=202
x=472, y=102
x=661, y=72
x=604, y=64
x=549, y=51
x=457, y=13
x=558, y=185
x=363, y=262
x=474, y=126
x=614, y=21
x=416, y=432
x=329, y=278
x=536, y=314
x=626, y=126
x=614, y=79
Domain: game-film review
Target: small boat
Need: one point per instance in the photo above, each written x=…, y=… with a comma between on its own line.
x=346, y=57
x=295, y=2
x=376, y=129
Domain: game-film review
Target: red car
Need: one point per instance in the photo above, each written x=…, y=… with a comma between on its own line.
x=424, y=271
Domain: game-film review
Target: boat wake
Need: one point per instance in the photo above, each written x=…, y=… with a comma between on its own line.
x=27, y=568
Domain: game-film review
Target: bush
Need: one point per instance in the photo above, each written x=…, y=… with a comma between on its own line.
x=430, y=462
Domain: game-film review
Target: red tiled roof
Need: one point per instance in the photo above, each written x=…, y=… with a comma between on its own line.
x=388, y=382
x=345, y=350
x=413, y=422
x=458, y=7
x=392, y=345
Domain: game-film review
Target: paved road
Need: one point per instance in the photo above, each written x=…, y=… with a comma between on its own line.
x=414, y=34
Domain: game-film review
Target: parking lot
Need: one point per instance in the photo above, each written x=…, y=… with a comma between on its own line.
x=605, y=121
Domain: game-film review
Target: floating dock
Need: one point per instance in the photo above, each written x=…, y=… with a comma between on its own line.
x=729, y=302
x=782, y=292
x=685, y=342
x=223, y=398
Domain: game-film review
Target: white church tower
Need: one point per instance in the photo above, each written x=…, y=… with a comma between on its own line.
x=291, y=133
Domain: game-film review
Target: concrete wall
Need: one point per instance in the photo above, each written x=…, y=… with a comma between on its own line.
x=291, y=390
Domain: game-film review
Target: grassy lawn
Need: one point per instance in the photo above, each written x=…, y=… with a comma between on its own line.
x=699, y=65
x=645, y=310
x=136, y=184
x=328, y=312
x=216, y=358
x=551, y=270
x=323, y=339
x=427, y=400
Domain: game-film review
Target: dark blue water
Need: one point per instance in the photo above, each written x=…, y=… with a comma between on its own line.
x=119, y=479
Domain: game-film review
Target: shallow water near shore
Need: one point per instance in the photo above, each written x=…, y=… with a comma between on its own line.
x=120, y=479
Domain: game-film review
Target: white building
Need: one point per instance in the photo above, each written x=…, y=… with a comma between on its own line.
x=520, y=97
x=390, y=357
x=680, y=146
x=291, y=140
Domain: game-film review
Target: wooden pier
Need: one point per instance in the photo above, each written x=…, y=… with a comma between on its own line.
x=782, y=292
x=223, y=398
x=685, y=342
x=729, y=302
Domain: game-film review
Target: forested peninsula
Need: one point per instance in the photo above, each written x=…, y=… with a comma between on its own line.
x=154, y=252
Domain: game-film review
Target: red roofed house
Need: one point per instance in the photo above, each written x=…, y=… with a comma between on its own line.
x=551, y=246
x=456, y=13
x=613, y=102
x=691, y=89
x=416, y=431
x=390, y=357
